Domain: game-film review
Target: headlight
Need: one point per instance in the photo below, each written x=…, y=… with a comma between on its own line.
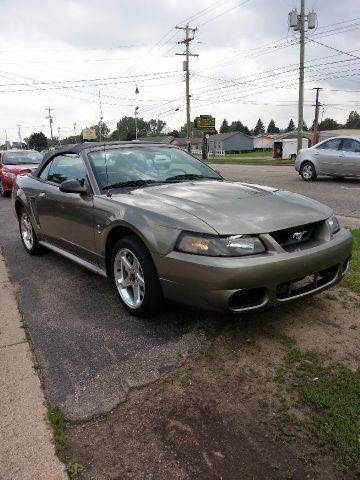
x=333, y=224
x=9, y=175
x=234, y=246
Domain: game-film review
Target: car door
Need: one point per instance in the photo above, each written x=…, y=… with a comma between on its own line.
x=350, y=157
x=327, y=155
x=66, y=219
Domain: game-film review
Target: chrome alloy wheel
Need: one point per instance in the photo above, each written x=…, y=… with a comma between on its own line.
x=129, y=278
x=26, y=229
x=307, y=171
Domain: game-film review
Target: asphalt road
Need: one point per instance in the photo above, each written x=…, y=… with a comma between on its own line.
x=90, y=351
x=342, y=195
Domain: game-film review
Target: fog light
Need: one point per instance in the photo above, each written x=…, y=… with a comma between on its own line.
x=243, y=299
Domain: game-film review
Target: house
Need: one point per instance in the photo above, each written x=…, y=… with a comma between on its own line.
x=231, y=142
x=160, y=139
x=347, y=132
x=264, y=141
x=196, y=144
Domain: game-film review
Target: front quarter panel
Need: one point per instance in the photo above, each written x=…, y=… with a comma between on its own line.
x=158, y=225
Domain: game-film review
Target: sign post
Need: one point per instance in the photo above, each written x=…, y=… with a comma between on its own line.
x=206, y=124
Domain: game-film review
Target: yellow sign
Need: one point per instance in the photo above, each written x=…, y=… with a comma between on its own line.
x=205, y=123
x=89, y=134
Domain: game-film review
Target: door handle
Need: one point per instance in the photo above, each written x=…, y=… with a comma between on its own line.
x=317, y=153
x=342, y=155
x=42, y=195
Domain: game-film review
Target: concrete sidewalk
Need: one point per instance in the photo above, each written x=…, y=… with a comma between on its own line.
x=26, y=451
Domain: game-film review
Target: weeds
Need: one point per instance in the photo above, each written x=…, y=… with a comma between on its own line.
x=56, y=421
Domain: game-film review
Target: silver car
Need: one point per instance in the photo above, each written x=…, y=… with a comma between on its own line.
x=337, y=157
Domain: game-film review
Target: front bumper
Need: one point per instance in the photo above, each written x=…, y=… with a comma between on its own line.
x=7, y=183
x=211, y=282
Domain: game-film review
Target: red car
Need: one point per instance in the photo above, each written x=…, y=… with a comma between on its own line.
x=13, y=163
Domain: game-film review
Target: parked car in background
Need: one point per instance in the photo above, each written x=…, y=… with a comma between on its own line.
x=337, y=157
x=14, y=163
x=179, y=232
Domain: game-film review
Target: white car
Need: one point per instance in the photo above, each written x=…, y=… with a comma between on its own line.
x=337, y=157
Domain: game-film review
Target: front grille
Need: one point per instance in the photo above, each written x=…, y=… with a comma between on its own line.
x=295, y=235
x=306, y=284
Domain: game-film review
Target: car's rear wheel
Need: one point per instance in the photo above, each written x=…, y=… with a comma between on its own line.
x=308, y=172
x=293, y=157
x=135, y=278
x=27, y=234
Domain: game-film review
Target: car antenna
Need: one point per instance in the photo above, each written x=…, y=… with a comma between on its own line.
x=108, y=194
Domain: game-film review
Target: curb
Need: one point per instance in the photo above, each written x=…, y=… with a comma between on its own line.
x=26, y=449
x=253, y=164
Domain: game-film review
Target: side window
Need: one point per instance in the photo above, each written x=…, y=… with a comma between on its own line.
x=44, y=174
x=350, y=145
x=66, y=167
x=332, y=144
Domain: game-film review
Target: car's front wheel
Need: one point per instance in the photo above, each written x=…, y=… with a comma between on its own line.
x=308, y=172
x=3, y=192
x=27, y=234
x=135, y=278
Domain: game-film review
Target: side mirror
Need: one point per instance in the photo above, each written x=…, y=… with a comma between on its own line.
x=72, y=186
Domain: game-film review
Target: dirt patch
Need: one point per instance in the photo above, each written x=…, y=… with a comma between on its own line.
x=222, y=414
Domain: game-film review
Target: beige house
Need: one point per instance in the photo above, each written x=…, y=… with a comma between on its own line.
x=341, y=132
x=264, y=141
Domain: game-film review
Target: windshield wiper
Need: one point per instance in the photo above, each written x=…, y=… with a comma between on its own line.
x=130, y=183
x=189, y=176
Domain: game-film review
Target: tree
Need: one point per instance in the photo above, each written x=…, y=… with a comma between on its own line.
x=353, y=120
x=156, y=127
x=291, y=126
x=305, y=127
x=237, y=126
x=174, y=133
x=328, y=124
x=195, y=133
x=125, y=129
x=104, y=130
x=38, y=141
x=272, y=128
x=224, y=126
x=259, y=127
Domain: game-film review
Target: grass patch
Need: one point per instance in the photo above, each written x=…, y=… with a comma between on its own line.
x=73, y=469
x=56, y=420
x=332, y=394
x=352, y=280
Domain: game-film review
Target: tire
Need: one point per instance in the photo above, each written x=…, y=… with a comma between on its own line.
x=27, y=234
x=293, y=157
x=131, y=264
x=308, y=172
x=3, y=193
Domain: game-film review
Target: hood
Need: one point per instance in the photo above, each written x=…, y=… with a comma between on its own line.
x=23, y=168
x=238, y=208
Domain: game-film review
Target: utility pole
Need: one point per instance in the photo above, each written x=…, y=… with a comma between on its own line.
x=59, y=134
x=301, y=77
x=315, y=137
x=297, y=22
x=186, y=68
x=50, y=121
x=19, y=133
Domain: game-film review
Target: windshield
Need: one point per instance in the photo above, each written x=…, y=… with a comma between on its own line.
x=140, y=165
x=21, y=157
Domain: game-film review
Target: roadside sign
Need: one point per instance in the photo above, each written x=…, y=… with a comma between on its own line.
x=205, y=123
x=89, y=134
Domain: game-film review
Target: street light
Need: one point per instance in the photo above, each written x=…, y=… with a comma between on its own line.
x=135, y=115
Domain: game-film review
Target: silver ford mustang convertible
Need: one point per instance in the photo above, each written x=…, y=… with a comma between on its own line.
x=163, y=225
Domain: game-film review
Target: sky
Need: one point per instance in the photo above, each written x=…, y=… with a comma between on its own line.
x=68, y=55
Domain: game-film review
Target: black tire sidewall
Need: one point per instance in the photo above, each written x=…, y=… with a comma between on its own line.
x=313, y=176
x=153, y=299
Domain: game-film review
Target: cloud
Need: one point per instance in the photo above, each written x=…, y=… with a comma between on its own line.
x=80, y=40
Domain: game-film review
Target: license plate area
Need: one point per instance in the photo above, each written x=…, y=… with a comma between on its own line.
x=307, y=284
